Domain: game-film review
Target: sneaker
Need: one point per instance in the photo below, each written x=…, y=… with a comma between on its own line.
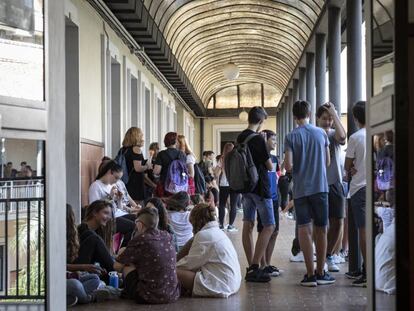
x=338, y=259
x=71, y=301
x=332, y=267
x=272, y=270
x=360, y=282
x=256, y=275
x=231, y=228
x=309, y=281
x=107, y=293
x=221, y=227
x=297, y=258
x=353, y=274
x=324, y=279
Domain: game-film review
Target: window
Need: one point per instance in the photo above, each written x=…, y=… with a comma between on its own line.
x=2, y=268
x=133, y=100
x=159, y=120
x=22, y=210
x=21, y=49
x=147, y=102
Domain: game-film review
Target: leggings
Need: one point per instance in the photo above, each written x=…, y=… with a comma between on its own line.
x=234, y=199
x=125, y=225
x=83, y=288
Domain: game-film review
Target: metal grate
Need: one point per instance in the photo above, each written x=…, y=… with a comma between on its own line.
x=22, y=249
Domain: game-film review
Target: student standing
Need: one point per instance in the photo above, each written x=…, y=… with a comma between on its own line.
x=355, y=167
x=225, y=192
x=329, y=121
x=259, y=199
x=307, y=156
x=273, y=179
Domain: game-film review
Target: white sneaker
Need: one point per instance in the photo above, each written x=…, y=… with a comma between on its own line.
x=332, y=267
x=338, y=259
x=297, y=258
x=231, y=228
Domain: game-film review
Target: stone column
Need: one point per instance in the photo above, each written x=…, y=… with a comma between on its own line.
x=334, y=56
x=310, y=83
x=320, y=68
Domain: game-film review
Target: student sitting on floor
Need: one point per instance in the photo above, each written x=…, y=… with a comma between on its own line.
x=211, y=267
x=104, y=188
x=83, y=284
x=163, y=223
x=95, y=236
x=178, y=214
x=148, y=263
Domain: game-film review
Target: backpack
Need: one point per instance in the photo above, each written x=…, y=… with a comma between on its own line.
x=240, y=169
x=385, y=174
x=121, y=161
x=177, y=177
x=199, y=180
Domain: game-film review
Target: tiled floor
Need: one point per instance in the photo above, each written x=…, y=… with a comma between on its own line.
x=282, y=293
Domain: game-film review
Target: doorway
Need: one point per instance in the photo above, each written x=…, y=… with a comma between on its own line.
x=228, y=137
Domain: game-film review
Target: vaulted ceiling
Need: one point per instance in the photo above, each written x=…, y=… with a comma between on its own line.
x=264, y=38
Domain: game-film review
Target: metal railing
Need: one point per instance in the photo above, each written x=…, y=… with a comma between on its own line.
x=22, y=250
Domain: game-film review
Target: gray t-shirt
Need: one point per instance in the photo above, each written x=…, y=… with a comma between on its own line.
x=334, y=171
x=308, y=146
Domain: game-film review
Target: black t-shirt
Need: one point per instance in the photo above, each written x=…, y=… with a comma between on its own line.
x=164, y=159
x=136, y=185
x=260, y=155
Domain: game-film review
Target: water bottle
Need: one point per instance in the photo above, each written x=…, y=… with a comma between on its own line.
x=113, y=279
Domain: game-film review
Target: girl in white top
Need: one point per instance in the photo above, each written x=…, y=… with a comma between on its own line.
x=179, y=217
x=211, y=267
x=190, y=161
x=104, y=188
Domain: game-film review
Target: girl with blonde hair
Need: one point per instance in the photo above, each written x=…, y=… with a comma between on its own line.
x=132, y=150
x=190, y=161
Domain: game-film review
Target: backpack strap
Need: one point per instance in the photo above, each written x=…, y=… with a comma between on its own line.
x=248, y=138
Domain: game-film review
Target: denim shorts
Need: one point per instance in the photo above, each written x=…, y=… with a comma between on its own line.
x=253, y=202
x=313, y=207
x=358, y=207
x=275, y=213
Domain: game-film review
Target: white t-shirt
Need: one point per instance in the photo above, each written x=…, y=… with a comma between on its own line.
x=357, y=150
x=180, y=222
x=191, y=159
x=100, y=191
x=223, y=179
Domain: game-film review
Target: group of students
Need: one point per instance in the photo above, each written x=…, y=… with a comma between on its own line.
x=162, y=244
x=169, y=243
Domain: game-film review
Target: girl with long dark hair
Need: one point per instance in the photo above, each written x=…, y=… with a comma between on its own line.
x=104, y=188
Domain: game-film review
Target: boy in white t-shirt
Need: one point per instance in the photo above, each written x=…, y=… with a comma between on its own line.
x=355, y=167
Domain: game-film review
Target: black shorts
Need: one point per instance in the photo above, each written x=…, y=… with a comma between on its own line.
x=276, y=214
x=130, y=287
x=336, y=202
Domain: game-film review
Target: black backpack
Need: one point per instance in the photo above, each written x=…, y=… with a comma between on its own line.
x=199, y=180
x=241, y=172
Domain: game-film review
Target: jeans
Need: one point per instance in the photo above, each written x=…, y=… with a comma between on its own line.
x=82, y=288
x=225, y=192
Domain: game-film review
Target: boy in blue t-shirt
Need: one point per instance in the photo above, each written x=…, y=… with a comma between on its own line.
x=270, y=137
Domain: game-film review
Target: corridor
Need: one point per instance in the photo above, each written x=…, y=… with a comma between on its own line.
x=282, y=293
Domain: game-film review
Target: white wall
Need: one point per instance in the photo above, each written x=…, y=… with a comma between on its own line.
x=91, y=32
